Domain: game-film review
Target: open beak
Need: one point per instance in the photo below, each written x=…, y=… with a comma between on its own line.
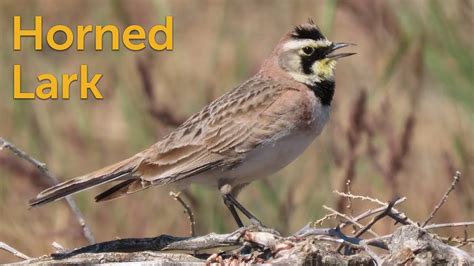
x=336, y=46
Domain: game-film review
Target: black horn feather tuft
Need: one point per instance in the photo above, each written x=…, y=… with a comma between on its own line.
x=308, y=31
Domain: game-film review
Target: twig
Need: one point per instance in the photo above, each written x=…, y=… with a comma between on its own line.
x=386, y=212
x=394, y=213
x=436, y=226
x=381, y=215
x=456, y=179
x=326, y=217
x=375, y=211
x=364, y=215
x=308, y=230
x=349, y=201
x=349, y=219
x=369, y=213
x=352, y=196
x=58, y=247
x=378, y=239
x=13, y=251
x=52, y=180
x=338, y=241
x=4, y=144
x=187, y=210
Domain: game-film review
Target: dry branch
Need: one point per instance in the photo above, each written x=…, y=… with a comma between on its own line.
x=456, y=179
x=51, y=180
x=437, y=226
x=349, y=220
x=359, y=197
x=187, y=210
x=369, y=213
x=13, y=251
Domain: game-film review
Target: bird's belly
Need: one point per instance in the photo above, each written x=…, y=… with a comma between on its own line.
x=270, y=157
x=273, y=155
x=267, y=158
x=263, y=161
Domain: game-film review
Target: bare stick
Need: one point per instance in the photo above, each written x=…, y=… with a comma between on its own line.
x=353, y=196
x=51, y=180
x=361, y=216
x=338, y=241
x=436, y=226
x=379, y=216
x=376, y=218
x=13, y=251
x=369, y=213
x=349, y=200
x=187, y=210
x=326, y=217
x=349, y=219
x=456, y=179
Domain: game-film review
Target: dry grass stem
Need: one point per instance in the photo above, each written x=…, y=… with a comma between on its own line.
x=13, y=251
x=437, y=226
x=349, y=219
x=325, y=218
x=352, y=196
x=456, y=179
x=188, y=211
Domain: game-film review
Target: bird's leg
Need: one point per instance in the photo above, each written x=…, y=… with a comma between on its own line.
x=232, y=210
x=239, y=206
x=228, y=193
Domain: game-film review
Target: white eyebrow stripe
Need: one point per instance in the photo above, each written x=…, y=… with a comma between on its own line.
x=295, y=44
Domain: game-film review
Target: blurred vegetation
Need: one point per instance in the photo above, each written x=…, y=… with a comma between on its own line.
x=412, y=82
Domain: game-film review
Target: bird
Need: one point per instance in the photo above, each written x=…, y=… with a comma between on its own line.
x=250, y=132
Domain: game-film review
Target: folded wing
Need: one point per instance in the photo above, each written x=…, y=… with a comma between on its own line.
x=217, y=137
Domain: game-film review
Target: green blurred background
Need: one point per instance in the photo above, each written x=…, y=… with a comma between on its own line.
x=402, y=121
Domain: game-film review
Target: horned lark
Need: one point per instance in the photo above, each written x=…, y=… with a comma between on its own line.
x=250, y=132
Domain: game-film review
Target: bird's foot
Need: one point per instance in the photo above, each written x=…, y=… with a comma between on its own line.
x=256, y=222
x=256, y=225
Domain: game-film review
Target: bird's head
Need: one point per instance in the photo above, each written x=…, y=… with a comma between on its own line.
x=307, y=56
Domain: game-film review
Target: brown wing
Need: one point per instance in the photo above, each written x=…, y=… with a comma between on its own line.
x=223, y=131
x=218, y=136
x=215, y=137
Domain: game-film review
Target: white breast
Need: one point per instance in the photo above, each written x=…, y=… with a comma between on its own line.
x=270, y=157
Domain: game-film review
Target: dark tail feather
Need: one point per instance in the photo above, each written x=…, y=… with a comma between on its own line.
x=73, y=186
x=121, y=170
x=115, y=191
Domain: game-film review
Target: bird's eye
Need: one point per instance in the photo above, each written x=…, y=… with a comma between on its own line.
x=308, y=50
